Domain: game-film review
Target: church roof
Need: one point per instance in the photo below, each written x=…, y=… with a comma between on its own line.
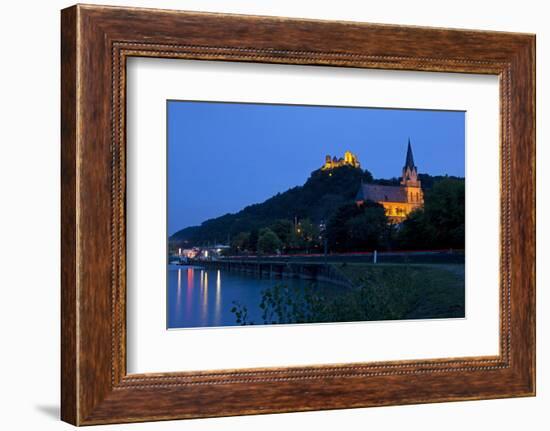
x=409, y=161
x=379, y=193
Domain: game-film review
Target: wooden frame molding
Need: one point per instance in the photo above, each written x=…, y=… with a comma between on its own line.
x=95, y=43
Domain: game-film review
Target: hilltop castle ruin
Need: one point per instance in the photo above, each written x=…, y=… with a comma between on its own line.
x=349, y=159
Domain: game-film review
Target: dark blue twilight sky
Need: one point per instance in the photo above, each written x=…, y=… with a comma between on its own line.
x=225, y=156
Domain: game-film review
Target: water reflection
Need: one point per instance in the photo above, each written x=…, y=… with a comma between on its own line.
x=204, y=294
x=190, y=285
x=217, y=315
x=200, y=308
x=178, y=300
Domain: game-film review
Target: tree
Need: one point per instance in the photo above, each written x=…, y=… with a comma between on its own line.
x=440, y=224
x=367, y=231
x=336, y=229
x=253, y=240
x=306, y=235
x=357, y=227
x=415, y=232
x=268, y=241
x=284, y=230
x=445, y=211
x=241, y=242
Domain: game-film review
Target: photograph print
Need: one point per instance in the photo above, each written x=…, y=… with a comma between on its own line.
x=300, y=214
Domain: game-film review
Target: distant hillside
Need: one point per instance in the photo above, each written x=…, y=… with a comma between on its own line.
x=317, y=199
x=427, y=180
x=321, y=195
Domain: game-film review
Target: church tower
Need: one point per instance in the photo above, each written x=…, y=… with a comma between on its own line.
x=410, y=181
x=398, y=201
x=410, y=173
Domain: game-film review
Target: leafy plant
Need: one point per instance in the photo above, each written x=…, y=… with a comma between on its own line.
x=382, y=293
x=241, y=313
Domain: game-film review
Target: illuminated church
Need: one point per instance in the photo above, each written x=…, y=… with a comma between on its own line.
x=398, y=201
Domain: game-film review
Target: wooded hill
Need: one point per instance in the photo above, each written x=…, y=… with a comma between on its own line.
x=316, y=202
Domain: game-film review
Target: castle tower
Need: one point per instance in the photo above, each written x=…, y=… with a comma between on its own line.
x=328, y=162
x=348, y=158
x=410, y=173
x=351, y=159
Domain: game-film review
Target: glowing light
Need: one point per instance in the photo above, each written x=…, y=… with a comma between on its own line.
x=178, y=293
x=190, y=285
x=349, y=159
x=204, y=314
x=190, y=277
x=217, y=314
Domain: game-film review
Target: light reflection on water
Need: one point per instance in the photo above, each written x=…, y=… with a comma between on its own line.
x=202, y=306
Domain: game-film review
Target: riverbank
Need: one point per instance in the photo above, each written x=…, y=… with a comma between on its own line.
x=273, y=268
x=235, y=292
x=402, y=256
x=410, y=291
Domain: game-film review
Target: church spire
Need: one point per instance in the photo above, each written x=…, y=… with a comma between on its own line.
x=410, y=174
x=409, y=162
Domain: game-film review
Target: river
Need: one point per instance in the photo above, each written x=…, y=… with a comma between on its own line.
x=203, y=298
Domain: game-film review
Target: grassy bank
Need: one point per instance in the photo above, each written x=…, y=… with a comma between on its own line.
x=380, y=292
x=415, y=291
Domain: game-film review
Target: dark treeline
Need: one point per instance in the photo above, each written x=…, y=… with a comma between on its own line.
x=440, y=224
x=323, y=212
x=316, y=200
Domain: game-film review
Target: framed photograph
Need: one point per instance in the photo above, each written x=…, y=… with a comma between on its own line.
x=266, y=215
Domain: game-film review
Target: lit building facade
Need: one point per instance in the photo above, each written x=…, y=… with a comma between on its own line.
x=398, y=201
x=349, y=159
